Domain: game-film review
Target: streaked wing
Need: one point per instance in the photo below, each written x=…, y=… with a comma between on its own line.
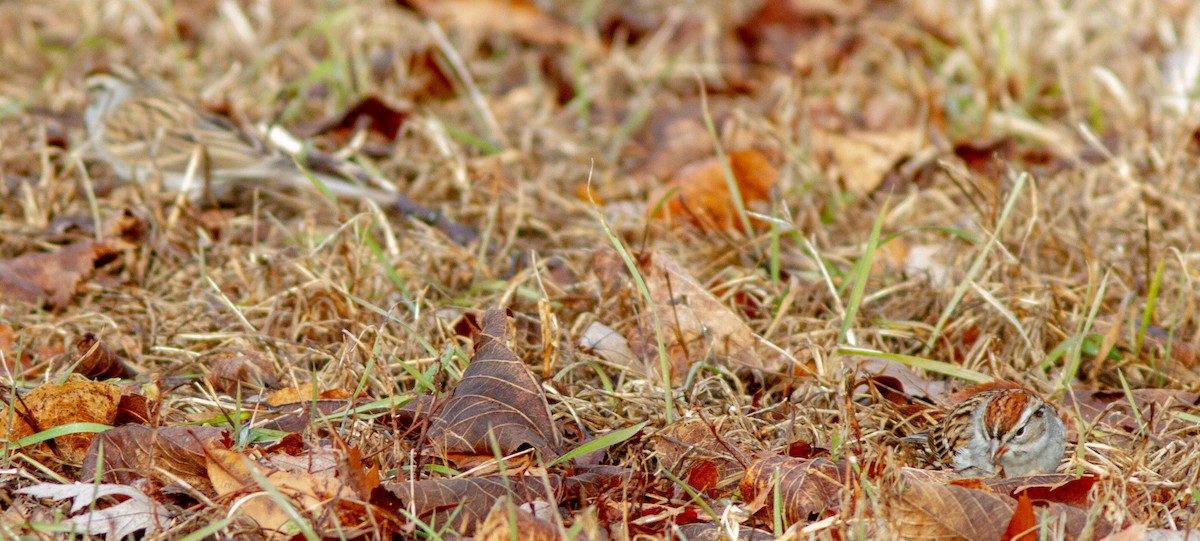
x=159, y=131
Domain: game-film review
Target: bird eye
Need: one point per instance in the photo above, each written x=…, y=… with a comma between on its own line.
x=1020, y=432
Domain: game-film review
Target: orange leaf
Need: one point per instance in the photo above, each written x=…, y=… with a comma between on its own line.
x=1023, y=524
x=699, y=193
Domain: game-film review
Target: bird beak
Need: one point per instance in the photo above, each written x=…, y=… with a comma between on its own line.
x=998, y=452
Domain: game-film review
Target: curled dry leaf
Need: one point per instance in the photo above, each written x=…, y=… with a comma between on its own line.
x=52, y=278
x=696, y=325
x=497, y=407
x=438, y=501
x=699, y=193
x=93, y=359
x=166, y=455
x=810, y=488
x=51, y=405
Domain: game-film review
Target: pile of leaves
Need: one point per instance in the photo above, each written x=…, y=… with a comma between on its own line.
x=670, y=270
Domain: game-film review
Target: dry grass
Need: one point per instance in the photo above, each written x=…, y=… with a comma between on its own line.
x=1074, y=91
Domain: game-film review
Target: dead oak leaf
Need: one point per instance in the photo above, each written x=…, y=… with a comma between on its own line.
x=138, y=512
x=52, y=278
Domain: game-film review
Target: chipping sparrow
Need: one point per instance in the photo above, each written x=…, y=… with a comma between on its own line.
x=1006, y=431
x=140, y=129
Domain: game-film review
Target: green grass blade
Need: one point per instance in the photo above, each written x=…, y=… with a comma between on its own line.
x=612, y=438
x=930, y=365
x=859, y=276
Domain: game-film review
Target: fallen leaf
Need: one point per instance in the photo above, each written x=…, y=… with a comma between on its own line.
x=328, y=501
x=94, y=360
x=380, y=120
x=861, y=160
x=609, y=345
x=1023, y=524
x=233, y=368
x=52, y=278
x=933, y=510
x=167, y=455
x=304, y=393
x=809, y=488
x=498, y=407
x=699, y=193
x=520, y=18
x=508, y=520
x=781, y=30
x=51, y=405
x=691, y=451
x=696, y=325
x=464, y=503
x=135, y=514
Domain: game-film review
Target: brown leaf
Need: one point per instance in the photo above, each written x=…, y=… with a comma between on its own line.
x=1113, y=408
x=369, y=113
x=94, y=360
x=229, y=369
x=507, y=520
x=520, y=18
x=52, y=278
x=1057, y=487
x=699, y=194
x=690, y=450
x=779, y=30
x=51, y=405
x=497, y=404
x=437, y=500
x=167, y=455
x=593, y=480
x=327, y=500
x=861, y=160
x=809, y=487
x=298, y=416
x=304, y=393
x=134, y=408
x=937, y=511
x=696, y=325
x=432, y=78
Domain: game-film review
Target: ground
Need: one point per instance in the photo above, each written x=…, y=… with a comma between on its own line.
x=712, y=261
